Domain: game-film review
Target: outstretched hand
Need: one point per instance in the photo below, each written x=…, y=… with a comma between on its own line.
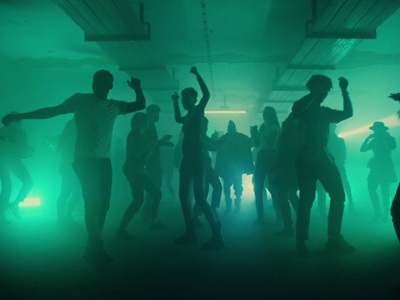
x=9, y=119
x=395, y=97
x=134, y=83
x=343, y=83
x=194, y=71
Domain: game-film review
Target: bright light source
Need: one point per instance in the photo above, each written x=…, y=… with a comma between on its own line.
x=31, y=201
x=391, y=121
x=225, y=111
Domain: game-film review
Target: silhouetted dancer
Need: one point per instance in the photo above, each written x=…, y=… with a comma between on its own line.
x=140, y=147
x=337, y=147
x=153, y=170
x=233, y=160
x=395, y=209
x=381, y=167
x=13, y=148
x=266, y=139
x=193, y=163
x=211, y=176
x=70, y=188
x=94, y=117
x=314, y=162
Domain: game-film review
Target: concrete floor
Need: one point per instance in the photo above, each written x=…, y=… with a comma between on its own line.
x=37, y=261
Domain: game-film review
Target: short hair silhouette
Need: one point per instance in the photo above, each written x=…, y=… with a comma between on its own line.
x=318, y=81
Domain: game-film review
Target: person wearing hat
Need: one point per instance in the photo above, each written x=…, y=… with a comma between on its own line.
x=381, y=166
x=314, y=162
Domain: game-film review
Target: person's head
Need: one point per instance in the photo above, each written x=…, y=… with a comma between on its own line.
x=231, y=127
x=139, y=121
x=189, y=98
x=102, y=83
x=270, y=116
x=379, y=128
x=153, y=113
x=319, y=86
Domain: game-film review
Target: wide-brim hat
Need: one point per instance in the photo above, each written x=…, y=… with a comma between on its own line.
x=379, y=125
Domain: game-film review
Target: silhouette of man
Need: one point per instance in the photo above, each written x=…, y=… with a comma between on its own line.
x=233, y=160
x=314, y=162
x=13, y=148
x=266, y=139
x=192, y=170
x=382, y=168
x=95, y=115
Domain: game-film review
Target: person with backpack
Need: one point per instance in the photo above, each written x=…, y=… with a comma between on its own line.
x=313, y=161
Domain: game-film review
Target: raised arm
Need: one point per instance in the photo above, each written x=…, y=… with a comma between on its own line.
x=140, y=102
x=347, y=106
x=43, y=113
x=177, y=111
x=203, y=87
x=367, y=145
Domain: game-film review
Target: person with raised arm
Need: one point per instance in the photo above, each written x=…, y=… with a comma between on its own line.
x=314, y=162
x=95, y=115
x=192, y=169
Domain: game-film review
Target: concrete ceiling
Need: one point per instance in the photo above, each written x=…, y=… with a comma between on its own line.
x=249, y=41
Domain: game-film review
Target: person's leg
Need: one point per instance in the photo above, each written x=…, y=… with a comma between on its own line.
x=185, y=184
x=260, y=173
x=89, y=172
x=373, y=182
x=321, y=200
x=329, y=176
x=5, y=190
x=105, y=192
x=155, y=192
x=238, y=188
x=395, y=212
x=20, y=171
x=65, y=192
x=214, y=181
x=135, y=183
x=307, y=184
x=346, y=186
x=385, y=188
x=227, y=191
x=198, y=188
x=283, y=192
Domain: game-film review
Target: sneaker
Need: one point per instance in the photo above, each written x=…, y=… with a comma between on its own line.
x=339, y=244
x=302, y=249
x=123, y=235
x=187, y=238
x=14, y=207
x=216, y=242
x=157, y=225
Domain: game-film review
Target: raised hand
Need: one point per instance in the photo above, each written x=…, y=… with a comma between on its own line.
x=194, y=71
x=134, y=83
x=343, y=83
x=395, y=97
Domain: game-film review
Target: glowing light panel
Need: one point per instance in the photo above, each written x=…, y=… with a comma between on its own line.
x=391, y=121
x=31, y=201
x=225, y=111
